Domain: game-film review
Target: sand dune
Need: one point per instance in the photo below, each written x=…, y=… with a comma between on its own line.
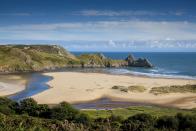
x=79, y=87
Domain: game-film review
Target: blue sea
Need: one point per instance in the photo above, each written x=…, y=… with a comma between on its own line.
x=166, y=64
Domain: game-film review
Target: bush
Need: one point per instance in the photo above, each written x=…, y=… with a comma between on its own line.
x=7, y=106
x=167, y=122
x=115, y=118
x=29, y=106
x=186, y=122
x=64, y=111
x=82, y=118
x=44, y=111
x=138, y=122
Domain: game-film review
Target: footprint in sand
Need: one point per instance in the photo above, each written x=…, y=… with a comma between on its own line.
x=89, y=90
x=71, y=88
x=101, y=88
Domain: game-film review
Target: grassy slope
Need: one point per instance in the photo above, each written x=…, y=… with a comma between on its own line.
x=38, y=57
x=173, y=89
x=34, y=57
x=98, y=60
x=126, y=112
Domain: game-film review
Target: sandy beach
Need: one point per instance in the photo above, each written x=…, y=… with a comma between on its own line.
x=11, y=84
x=76, y=87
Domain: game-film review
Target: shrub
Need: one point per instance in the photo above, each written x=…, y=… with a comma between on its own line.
x=82, y=118
x=186, y=122
x=138, y=122
x=136, y=88
x=7, y=106
x=29, y=106
x=167, y=122
x=44, y=111
x=64, y=111
x=115, y=118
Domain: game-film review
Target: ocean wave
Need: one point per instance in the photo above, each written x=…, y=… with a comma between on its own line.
x=152, y=74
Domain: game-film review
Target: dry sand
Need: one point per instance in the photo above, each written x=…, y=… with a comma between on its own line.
x=76, y=87
x=11, y=84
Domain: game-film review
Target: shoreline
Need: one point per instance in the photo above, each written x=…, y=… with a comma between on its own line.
x=101, y=70
x=12, y=84
x=53, y=95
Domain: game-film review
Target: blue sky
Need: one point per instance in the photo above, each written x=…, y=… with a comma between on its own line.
x=96, y=25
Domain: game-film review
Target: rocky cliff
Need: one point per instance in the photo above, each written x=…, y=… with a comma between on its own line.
x=140, y=62
x=26, y=58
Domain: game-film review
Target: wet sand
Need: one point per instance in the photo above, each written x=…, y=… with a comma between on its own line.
x=11, y=84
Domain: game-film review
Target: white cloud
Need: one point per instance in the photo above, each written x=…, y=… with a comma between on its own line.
x=112, y=43
x=116, y=13
x=102, y=30
x=111, y=13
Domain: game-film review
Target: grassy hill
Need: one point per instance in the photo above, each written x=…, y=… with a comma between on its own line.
x=25, y=58
x=15, y=58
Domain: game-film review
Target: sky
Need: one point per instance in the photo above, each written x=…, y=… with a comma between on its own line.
x=101, y=25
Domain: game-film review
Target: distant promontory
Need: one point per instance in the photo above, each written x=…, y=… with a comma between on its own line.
x=30, y=58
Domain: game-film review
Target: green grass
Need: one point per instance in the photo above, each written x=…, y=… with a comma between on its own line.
x=136, y=88
x=173, y=89
x=23, y=58
x=120, y=88
x=87, y=58
x=126, y=112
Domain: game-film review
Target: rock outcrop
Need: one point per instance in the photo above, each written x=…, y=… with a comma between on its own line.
x=140, y=62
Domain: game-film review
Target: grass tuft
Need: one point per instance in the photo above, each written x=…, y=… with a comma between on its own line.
x=173, y=89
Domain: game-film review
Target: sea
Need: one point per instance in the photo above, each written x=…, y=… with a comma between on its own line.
x=166, y=64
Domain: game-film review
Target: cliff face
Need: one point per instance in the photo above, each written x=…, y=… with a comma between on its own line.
x=26, y=58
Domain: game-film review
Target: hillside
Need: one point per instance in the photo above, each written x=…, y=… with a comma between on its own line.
x=27, y=115
x=15, y=58
x=26, y=58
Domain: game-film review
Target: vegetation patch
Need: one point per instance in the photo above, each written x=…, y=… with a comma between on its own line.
x=173, y=89
x=136, y=88
x=130, y=88
x=133, y=110
x=30, y=116
x=120, y=88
